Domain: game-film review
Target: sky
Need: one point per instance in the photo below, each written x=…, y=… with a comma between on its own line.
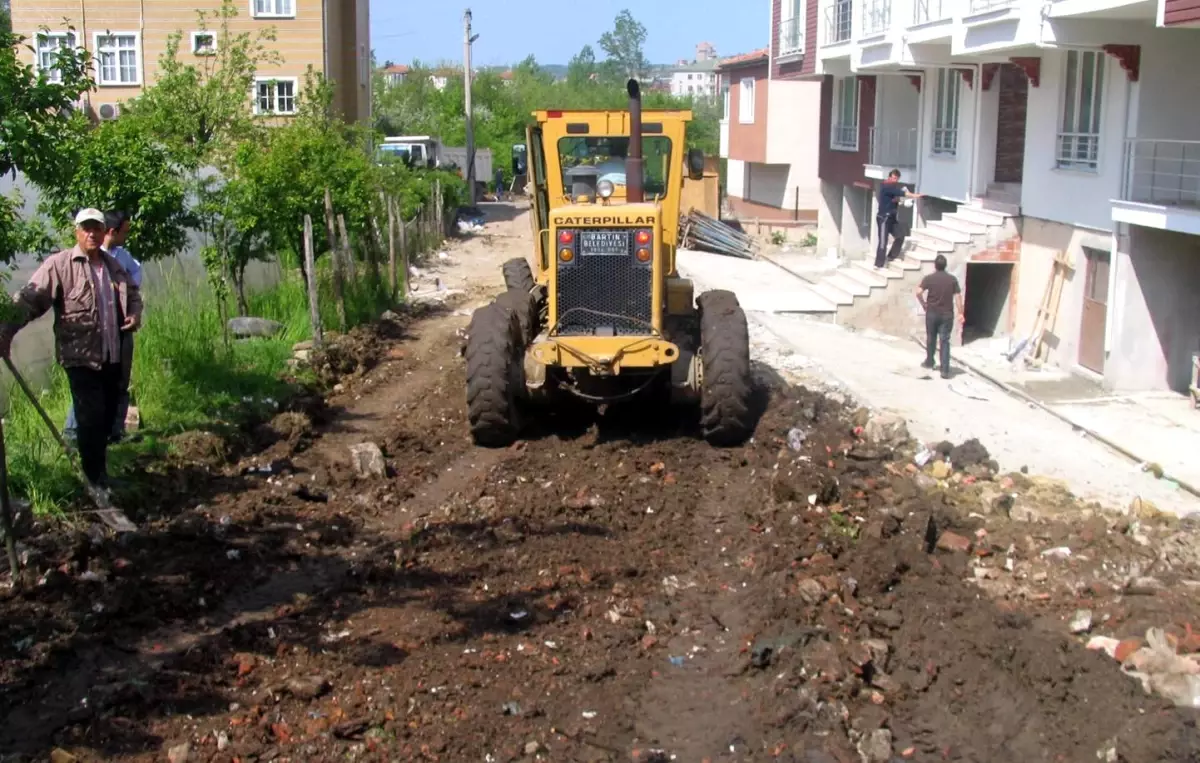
x=554, y=30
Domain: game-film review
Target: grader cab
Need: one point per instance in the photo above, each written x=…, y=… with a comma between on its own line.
x=602, y=313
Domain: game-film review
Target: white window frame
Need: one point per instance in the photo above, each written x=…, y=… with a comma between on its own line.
x=72, y=40
x=727, y=98
x=295, y=83
x=1077, y=144
x=100, y=51
x=839, y=129
x=793, y=12
x=196, y=35
x=746, y=94
x=289, y=13
x=947, y=106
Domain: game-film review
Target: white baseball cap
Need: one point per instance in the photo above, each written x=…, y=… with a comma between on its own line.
x=85, y=215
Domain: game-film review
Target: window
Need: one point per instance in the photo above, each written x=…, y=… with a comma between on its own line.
x=605, y=155
x=204, y=43
x=691, y=88
x=48, y=45
x=1079, y=134
x=689, y=77
x=725, y=96
x=746, y=101
x=273, y=8
x=845, y=122
x=945, y=115
x=275, y=95
x=118, y=56
x=791, y=27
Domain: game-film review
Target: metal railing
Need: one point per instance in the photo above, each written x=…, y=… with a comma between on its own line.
x=945, y=141
x=1163, y=172
x=982, y=6
x=838, y=15
x=925, y=11
x=845, y=137
x=1077, y=151
x=877, y=17
x=791, y=36
x=894, y=148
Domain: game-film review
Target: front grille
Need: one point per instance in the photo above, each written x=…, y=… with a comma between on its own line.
x=605, y=294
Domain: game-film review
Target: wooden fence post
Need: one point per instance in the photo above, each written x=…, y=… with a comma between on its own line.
x=310, y=273
x=6, y=516
x=403, y=248
x=347, y=251
x=391, y=216
x=438, y=211
x=335, y=261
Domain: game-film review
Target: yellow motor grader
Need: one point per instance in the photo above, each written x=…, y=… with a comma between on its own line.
x=602, y=312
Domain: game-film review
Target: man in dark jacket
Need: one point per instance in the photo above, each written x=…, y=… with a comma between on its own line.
x=886, y=224
x=94, y=300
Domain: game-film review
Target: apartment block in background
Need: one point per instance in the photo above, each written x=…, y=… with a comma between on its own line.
x=126, y=39
x=1059, y=136
x=770, y=124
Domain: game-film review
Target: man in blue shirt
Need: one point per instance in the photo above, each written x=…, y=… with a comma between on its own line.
x=890, y=194
x=117, y=230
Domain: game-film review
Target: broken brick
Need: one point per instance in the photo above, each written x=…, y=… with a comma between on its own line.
x=953, y=542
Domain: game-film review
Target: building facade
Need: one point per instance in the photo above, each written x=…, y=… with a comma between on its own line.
x=696, y=79
x=127, y=38
x=769, y=129
x=1059, y=145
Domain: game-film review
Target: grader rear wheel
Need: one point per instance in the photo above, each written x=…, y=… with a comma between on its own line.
x=726, y=414
x=518, y=275
x=494, y=375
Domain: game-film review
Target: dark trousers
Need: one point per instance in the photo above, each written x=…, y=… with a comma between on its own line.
x=887, y=225
x=95, y=394
x=937, y=337
x=123, y=397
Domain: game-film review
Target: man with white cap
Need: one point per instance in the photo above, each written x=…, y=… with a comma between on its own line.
x=94, y=299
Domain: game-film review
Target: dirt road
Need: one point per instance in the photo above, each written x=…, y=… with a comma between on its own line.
x=611, y=589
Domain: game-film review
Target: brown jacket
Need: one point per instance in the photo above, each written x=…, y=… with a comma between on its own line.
x=63, y=282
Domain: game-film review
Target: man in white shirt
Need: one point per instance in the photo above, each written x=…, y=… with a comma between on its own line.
x=116, y=231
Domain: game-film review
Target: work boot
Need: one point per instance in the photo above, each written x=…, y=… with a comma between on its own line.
x=928, y=365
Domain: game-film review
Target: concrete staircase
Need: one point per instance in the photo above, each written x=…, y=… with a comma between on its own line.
x=857, y=293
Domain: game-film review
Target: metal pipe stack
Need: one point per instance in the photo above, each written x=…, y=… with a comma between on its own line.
x=707, y=234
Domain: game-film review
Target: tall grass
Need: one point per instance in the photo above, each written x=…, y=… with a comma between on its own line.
x=184, y=375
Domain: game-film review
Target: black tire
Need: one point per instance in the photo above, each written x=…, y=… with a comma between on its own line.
x=518, y=275
x=524, y=306
x=726, y=412
x=494, y=364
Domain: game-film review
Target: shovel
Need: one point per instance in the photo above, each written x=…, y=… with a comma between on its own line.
x=113, y=517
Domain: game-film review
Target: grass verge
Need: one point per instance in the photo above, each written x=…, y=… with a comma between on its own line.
x=185, y=377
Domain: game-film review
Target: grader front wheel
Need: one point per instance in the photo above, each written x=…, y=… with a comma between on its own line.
x=726, y=412
x=518, y=274
x=494, y=375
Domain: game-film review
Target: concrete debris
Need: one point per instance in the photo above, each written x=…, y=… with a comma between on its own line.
x=1081, y=621
x=368, y=460
x=179, y=753
x=887, y=429
x=876, y=747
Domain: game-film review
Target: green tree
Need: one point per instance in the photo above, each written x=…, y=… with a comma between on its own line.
x=624, y=46
x=121, y=165
x=200, y=107
x=39, y=131
x=581, y=69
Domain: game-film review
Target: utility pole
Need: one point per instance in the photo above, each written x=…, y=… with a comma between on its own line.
x=470, y=168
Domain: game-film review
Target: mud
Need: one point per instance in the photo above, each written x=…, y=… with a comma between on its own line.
x=609, y=589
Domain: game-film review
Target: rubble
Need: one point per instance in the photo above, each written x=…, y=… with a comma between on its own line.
x=368, y=460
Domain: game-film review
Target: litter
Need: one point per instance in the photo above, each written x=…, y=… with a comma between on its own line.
x=796, y=438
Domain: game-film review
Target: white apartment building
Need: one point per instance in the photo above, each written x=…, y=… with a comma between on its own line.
x=697, y=79
x=1040, y=129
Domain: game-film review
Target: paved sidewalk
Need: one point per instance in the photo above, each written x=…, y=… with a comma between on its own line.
x=884, y=372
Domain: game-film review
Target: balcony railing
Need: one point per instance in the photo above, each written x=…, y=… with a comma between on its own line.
x=945, y=141
x=925, y=11
x=1078, y=151
x=877, y=17
x=845, y=137
x=1163, y=172
x=837, y=21
x=983, y=6
x=791, y=36
x=894, y=148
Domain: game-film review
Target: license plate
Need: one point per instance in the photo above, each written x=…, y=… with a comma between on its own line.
x=603, y=243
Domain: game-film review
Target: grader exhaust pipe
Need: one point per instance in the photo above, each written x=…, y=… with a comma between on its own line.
x=634, y=191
